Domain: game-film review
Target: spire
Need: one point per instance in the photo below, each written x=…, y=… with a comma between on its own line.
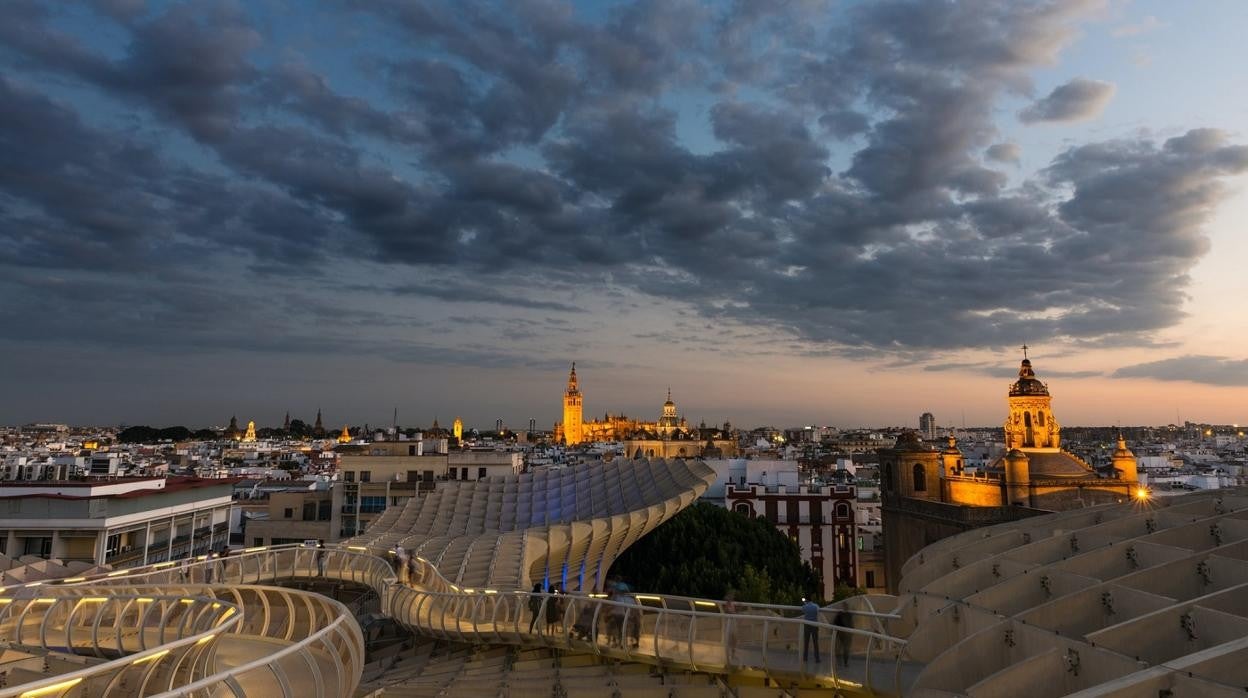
x=318, y=424
x=286, y=422
x=572, y=383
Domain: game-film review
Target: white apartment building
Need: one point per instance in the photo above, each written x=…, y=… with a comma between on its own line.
x=121, y=522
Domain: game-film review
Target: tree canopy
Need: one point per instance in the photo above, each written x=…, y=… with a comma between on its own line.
x=707, y=550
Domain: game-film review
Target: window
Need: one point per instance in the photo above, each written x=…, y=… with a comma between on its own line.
x=463, y=473
x=372, y=505
x=257, y=542
x=451, y=474
x=842, y=510
x=871, y=579
x=348, y=476
x=427, y=475
x=1041, y=418
x=743, y=509
x=413, y=476
x=309, y=511
x=480, y=473
x=411, y=450
x=288, y=513
x=366, y=476
x=920, y=478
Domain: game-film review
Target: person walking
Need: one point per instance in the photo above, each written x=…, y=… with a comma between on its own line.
x=320, y=557
x=535, y=606
x=404, y=564
x=843, y=639
x=211, y=560
x=184, y=569
x=810, y=633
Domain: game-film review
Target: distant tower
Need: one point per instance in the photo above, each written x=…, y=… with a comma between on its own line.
x=1030, y=423
x=318, y=430
x=572, y=407
x=670, y=421
x=345, y=436
x=1125, y=463
x=231, y=432
x=498, y=426
x=286, y=423
x=457, y=429
x=250, y=436
x=532, y=425
x=927, y=425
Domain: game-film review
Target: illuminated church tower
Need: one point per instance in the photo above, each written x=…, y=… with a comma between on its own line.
x=1030, y=424
x=572, y=406
x=457, y=429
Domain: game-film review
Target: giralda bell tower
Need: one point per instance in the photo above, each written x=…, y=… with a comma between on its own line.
x=572, y=405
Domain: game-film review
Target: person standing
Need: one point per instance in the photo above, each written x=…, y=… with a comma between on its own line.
x=554, y=608
x=729, y=610
x=211, y=562
x=810, y=633
x=320, y=557
x=535, y=605
x=843, y=638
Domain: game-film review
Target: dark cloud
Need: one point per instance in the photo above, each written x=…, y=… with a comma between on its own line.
x=1076, y=100
x=458, y=292
x=1191, y=368
x=1008, y=153
x=513, y=145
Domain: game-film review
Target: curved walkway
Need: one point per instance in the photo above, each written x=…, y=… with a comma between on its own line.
x=201, y=623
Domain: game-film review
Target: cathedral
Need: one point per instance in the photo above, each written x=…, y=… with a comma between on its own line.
x=668, y=437
x=927, y=493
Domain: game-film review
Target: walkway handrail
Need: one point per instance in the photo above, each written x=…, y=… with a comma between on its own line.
x=218, y=617
x=700, y=637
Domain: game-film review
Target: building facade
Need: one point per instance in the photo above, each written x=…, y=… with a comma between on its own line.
x=122, y=522
x=819, y=518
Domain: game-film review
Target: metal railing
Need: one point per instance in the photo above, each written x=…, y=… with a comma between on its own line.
x=277, y=641
x=153, y=641
x=757, y=639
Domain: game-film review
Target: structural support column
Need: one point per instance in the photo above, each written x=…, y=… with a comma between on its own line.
x=147, y=541
x=101, y=546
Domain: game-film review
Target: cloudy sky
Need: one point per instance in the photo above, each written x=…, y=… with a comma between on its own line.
x=790, y=212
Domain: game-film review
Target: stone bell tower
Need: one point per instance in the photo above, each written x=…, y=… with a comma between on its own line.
x=572, y=409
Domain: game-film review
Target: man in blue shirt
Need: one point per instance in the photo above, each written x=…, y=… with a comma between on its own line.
x=810, y=633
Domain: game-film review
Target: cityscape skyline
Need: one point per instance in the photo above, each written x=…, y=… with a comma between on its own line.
x=219, y=208
x=381, y=419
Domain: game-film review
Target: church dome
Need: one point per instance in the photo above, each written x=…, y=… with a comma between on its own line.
x=1027, y=383
x=1122, y=451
